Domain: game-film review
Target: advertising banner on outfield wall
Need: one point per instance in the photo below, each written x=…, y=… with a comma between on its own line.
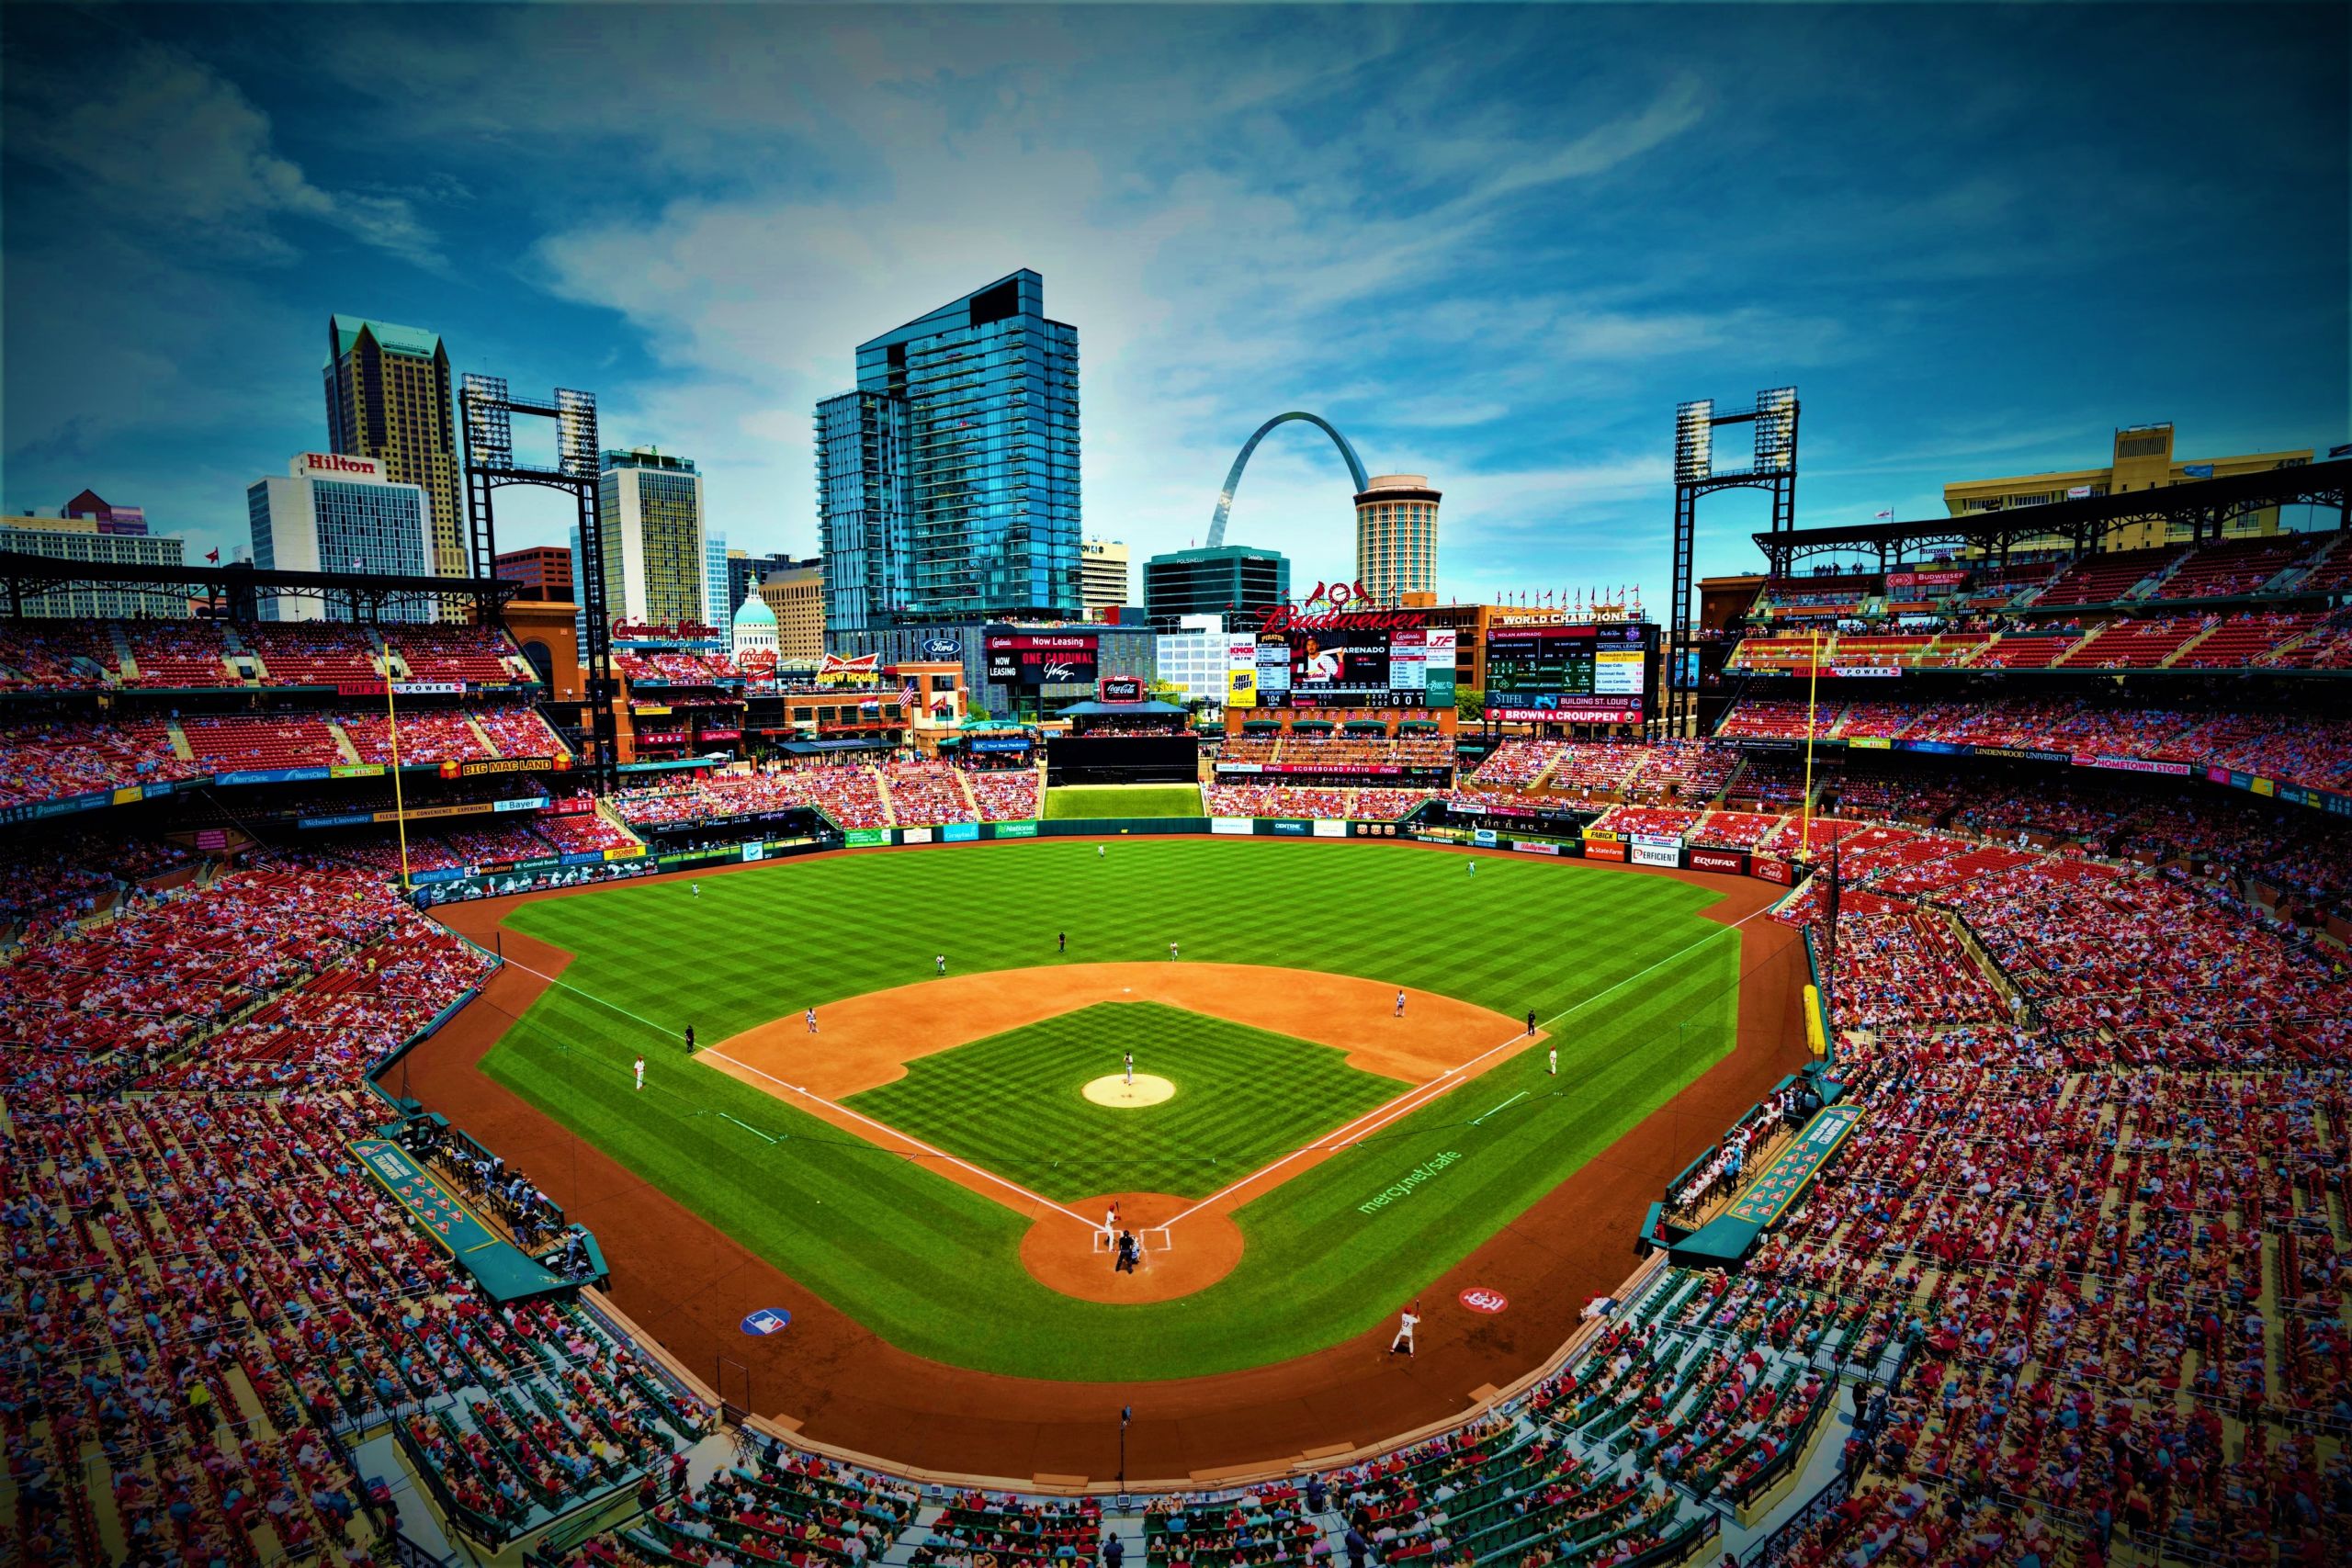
x=1603, y=849
x=1328, y=827
x=914, y=835
x=1534, y=847
x=1733, y=861
x=959, y=832
x=754, y=850
x=1013, y=831
x=866, y=838
x=1658, y=854
x=1483, y=836
x=1766, y=869
x=1240, y=825
x=1289, y=827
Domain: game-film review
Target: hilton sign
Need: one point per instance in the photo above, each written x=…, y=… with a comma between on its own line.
x=310, y=463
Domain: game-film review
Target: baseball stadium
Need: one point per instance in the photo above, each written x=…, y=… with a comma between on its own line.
x=1896, y=1077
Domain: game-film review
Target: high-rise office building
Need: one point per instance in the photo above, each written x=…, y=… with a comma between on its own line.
x=1105, y=581
x=651, y=511
x=1397, y=537
x=87, y=529
x=332, y=512
x=387, y=399
x=797, y=594
x=947, y=483
x=746, y=571
x=717, y=612
x=1229, y=580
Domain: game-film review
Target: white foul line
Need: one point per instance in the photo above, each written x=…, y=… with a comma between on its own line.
x=1348, y=1134
x=917, y=1143
x=1514, y=1099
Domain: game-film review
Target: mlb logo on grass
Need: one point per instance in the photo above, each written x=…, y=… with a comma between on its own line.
x=768, y=1320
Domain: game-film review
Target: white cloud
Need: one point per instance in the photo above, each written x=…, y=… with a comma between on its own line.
x=1208, y=295
x=163, y=143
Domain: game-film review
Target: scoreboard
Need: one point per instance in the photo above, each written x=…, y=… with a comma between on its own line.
x=1565, y=672
x=1323, y=667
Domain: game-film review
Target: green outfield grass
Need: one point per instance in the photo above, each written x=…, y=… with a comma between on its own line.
x=1013, y=1102
x=1086, y=801
x=1640, y=991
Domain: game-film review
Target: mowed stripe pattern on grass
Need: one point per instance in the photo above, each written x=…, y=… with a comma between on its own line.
x=1089, y=801
x=1013, y=1102
x=933, y=1267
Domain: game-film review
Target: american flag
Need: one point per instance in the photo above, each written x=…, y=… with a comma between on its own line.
x=907, y=695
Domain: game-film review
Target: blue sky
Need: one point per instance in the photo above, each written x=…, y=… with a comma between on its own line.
x=1495, y=244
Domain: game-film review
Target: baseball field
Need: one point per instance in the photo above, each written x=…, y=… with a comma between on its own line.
x=1355, y=1105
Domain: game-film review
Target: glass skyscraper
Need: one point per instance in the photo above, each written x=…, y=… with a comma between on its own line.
x=947, y=482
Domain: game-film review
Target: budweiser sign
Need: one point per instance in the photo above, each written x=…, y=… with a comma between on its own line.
x=1337, y=607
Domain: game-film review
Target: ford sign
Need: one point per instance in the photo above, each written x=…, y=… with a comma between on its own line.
x=943, y=648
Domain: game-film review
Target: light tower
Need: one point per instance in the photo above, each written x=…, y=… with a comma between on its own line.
x=1773, y=470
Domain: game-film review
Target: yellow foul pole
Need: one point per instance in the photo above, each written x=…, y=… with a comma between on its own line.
x=399, y=809
x=1812, y=701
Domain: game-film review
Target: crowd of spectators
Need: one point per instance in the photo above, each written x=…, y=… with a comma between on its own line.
x=62, y=758
x=926, y=795
x=849, y=793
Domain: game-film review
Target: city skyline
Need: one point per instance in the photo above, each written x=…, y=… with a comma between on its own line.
x=1496, y=247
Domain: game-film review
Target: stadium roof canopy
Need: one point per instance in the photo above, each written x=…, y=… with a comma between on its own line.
x=236, y=588
x=1096, y=710
x=2205, y=504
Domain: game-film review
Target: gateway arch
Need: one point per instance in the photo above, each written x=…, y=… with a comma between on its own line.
x=1233, y=475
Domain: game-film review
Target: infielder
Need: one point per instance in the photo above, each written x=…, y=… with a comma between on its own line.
x=940, y=964
x=1172, y=952
x=1552, y=1064
x=1400, y=1004
x=811, y=1016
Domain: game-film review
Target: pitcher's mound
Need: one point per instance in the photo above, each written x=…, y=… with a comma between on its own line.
x=1120, y=1095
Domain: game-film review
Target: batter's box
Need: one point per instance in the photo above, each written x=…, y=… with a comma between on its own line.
x=1152, y=1238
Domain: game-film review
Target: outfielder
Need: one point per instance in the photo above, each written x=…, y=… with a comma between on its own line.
x=641, y=1072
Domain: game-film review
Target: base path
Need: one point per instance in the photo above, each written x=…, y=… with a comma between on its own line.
x=833, y=1380
x=866, y=1040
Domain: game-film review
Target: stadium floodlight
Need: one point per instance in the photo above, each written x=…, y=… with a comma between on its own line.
x=1694, y=440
